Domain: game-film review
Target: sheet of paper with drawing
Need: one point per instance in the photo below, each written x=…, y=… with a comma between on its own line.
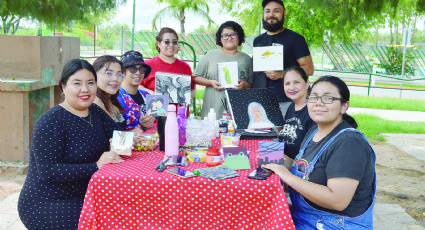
x=267, y=58
x=122, y=142
x=270, y=152
x=236, y=158
x=228, y=74
x=176, y=86
x=157, y=105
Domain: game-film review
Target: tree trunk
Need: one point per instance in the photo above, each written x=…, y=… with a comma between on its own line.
x=396, y=34
x=391, y=33
x=182, y=20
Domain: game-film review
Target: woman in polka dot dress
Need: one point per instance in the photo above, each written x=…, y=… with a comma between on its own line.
x=70, y=142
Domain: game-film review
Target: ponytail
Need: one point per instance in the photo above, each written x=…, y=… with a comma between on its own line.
x=350, y=120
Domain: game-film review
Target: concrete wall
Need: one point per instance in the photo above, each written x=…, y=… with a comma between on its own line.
x=30, y=67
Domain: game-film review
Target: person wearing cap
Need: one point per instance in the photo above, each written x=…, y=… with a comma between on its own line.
x=131, y=98
x=296, y=52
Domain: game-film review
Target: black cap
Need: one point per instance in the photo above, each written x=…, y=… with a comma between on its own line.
x=265, y=2
x=131, y=57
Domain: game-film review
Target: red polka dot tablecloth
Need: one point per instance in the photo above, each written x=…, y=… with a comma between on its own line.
x=132, y=195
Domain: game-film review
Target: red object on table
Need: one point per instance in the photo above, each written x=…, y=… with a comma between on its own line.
x=132, y=195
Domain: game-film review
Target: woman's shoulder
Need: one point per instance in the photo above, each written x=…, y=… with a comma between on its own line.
x=244, y=55
x=152, y=60
x=213, y=53
x=96, y=108
x=347, y=134
x=99, y=102
x=53, y=115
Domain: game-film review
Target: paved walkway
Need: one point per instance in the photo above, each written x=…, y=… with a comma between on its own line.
x=394, y=115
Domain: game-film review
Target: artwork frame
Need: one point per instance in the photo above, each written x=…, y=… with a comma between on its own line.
x=238, y=102
x=176, y=86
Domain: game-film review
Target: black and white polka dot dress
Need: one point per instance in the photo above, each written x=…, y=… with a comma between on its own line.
x=63, y=156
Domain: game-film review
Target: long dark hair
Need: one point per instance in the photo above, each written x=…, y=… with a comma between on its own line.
x=98, y=64
x=72, y=67
x=343, y=91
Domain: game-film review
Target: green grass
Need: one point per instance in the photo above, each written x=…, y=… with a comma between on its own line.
x=372, y=126
x=366, y=83
x=387, y=103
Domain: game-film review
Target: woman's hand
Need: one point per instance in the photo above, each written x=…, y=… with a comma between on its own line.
x=280, y=170
x=216, y=85
x=146, y=122
x=107, y=158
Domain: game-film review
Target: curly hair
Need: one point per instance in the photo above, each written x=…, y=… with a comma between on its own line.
x=160, y=36
x=234, y=26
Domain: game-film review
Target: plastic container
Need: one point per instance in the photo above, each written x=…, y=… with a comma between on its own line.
x=198, y=133
x=146, y=142
x=213, y=156
x=231, y=128
x=171, y=133
x=182, y=122
x=228, y=140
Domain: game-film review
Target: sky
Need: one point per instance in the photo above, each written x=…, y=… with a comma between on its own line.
x=146, y=10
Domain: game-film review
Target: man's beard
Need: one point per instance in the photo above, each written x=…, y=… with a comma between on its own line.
x=273, y=27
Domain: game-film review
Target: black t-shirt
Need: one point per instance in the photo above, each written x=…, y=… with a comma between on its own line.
x=294, y=47
x=350, y=156
x=296, y=125
x=138, y=98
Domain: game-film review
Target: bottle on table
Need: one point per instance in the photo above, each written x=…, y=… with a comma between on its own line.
x=171, y=133
x=182, y=121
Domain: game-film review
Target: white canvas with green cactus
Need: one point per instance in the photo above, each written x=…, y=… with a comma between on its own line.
x=228, y=74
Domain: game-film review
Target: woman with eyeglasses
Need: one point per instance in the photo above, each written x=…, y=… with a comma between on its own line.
x=229, y=36
x=131, y=98
x=297, y=121
x=110, y=74
x=167, y=44
x=332, y=182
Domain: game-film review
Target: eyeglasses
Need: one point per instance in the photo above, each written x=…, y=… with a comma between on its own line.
x=110, y=74
x=325, y=99
x=133, y=69
x=167, y=42
x=227, y=36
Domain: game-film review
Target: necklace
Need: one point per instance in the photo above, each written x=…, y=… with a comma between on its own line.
x=87, y=121
x=70, y=108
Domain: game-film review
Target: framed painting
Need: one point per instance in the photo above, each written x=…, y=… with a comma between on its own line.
x=254, y=108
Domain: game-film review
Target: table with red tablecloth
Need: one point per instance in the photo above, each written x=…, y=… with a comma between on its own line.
x=132, y=195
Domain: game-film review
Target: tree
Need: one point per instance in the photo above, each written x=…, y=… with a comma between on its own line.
x=52, y=12
x=320, y=20
x=209, y=30
x=178, y=8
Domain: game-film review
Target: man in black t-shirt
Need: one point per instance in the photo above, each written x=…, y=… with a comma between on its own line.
x=296, y=52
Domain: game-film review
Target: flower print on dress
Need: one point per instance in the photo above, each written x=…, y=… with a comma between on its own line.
x=131, y=108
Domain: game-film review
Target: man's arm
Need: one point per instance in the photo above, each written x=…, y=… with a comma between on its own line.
x=307, y=64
